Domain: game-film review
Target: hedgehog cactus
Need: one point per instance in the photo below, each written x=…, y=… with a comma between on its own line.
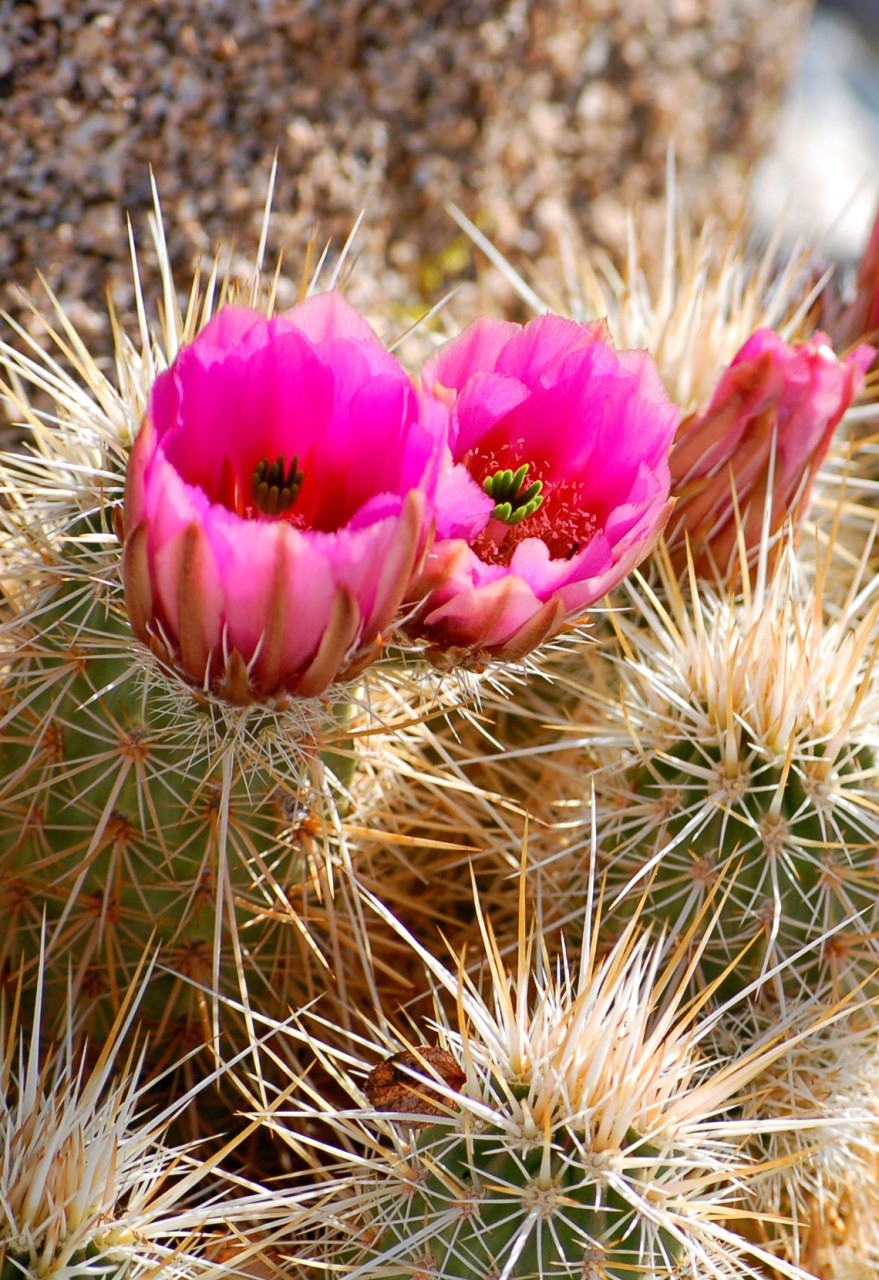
x=743, y=743
x=294, y=512
x=172, y=769
x=135, y=801
x=272, y=704
x=88, y=1183
x=567, y=1121
x=727, y=730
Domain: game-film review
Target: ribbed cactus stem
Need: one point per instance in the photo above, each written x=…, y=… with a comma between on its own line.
x=735, y=741
x=764, y=830
x=533, y=1212
x=133, y=808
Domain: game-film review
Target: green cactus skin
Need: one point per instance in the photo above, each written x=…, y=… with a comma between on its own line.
x=478, y=1209
x=734, y=740
x=135, y=811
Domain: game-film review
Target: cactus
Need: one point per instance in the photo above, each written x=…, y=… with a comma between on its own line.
x=135, y=809
x=568, y=1119
x=654, y=1056
x=727, y=732
x=88, y=1183
x=744, y=736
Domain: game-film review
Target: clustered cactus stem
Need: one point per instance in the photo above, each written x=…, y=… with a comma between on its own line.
x=499, y=909
x=566, y=1115
x=88, y=1181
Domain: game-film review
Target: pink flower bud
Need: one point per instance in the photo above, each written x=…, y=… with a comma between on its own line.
x=279, y=498
x=860, y=319
x=556, y=487
x=767, y=426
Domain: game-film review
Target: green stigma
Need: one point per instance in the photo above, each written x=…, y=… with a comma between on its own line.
x=513, y=504
x=274, y=490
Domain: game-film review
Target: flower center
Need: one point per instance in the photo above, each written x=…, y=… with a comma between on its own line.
x=273, y=489
x=552, y=510
x=513, y=503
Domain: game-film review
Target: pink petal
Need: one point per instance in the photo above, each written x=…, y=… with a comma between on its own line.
x=596, y=424
x=463, y=508
x=477, y=350
x=254, y=603
x=485, y=617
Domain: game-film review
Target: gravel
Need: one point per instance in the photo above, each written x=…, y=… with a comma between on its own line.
x=527, y=113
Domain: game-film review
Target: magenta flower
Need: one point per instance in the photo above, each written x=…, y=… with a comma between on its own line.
x=279, y=497
x=560, y=483
x=769, y=423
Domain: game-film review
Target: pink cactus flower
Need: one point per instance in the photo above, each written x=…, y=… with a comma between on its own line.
x=557, y=486
x=279, y=498
x=768, y=425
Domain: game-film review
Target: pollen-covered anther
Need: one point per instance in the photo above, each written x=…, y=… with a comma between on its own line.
x=275, y=489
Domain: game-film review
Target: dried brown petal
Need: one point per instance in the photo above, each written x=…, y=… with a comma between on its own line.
x=389, y=1087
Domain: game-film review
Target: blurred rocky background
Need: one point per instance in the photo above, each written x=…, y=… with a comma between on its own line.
x=529, y=114
x=820, y=177
x=523, y=112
